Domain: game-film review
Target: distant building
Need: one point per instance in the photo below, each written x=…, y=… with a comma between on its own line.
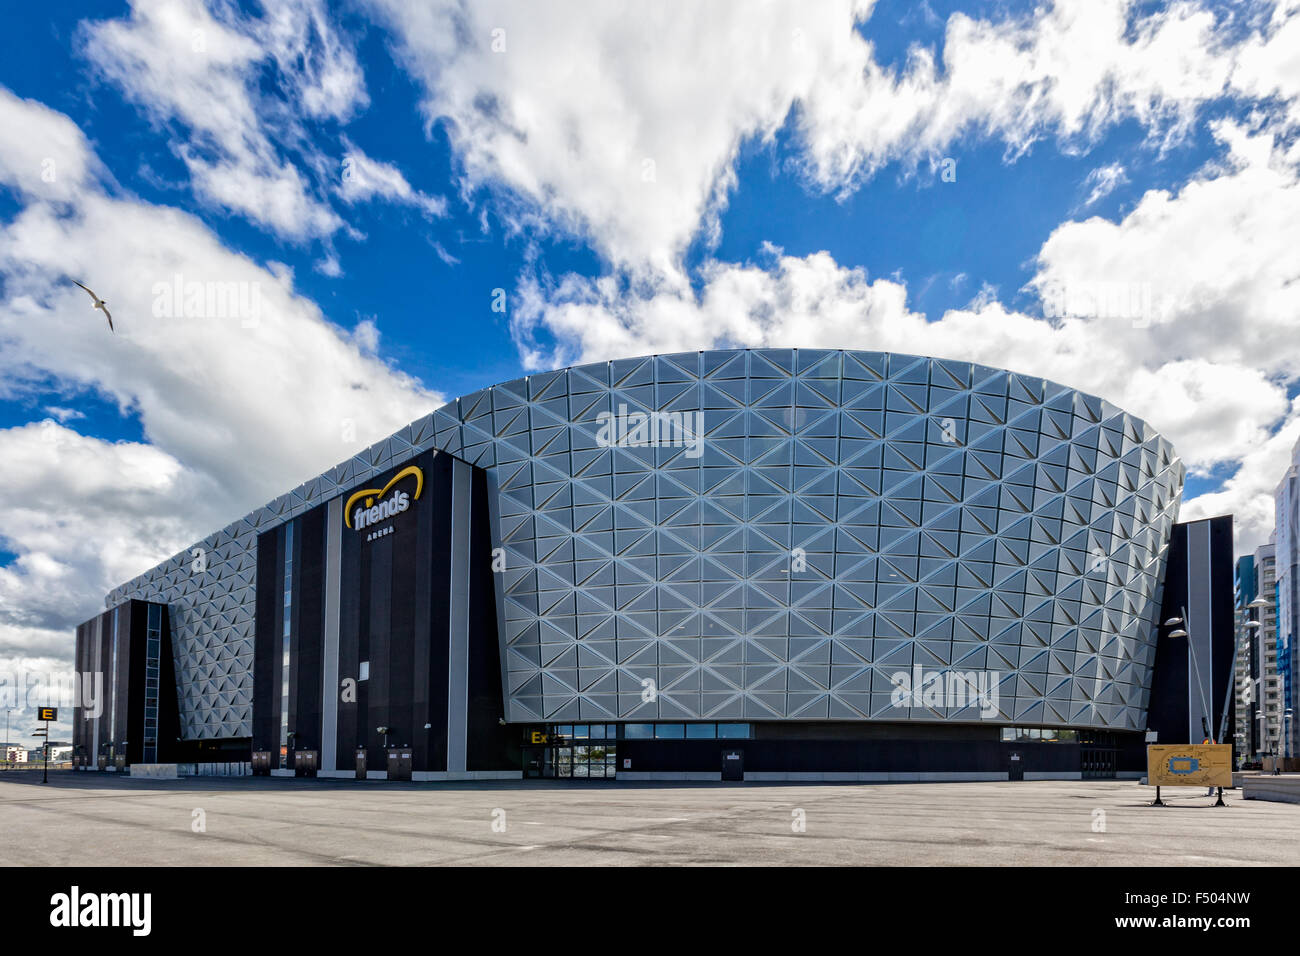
x=1245, y=705
x=1287, y=540
x=15, y=753
x=1258, y=700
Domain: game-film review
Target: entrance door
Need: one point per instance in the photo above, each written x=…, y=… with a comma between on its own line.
x=1098, y=763
x=590, y=761
x=733, y=765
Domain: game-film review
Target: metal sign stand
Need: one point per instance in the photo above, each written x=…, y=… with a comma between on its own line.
x=1158, y=802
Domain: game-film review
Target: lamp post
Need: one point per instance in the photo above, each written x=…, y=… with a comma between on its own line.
x=1254, y=608
x=1174, y=622
x=1263, y=737
x=1286, y=730
x=7, y=712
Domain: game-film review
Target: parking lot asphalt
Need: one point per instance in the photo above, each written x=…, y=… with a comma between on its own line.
x=104, y=820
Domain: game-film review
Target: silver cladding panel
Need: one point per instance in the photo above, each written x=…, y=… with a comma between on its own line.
x=949, y=516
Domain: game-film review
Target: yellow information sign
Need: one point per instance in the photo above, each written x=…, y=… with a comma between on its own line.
x=1189, y=765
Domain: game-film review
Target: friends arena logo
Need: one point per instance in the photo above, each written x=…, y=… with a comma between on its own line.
x=376, y=507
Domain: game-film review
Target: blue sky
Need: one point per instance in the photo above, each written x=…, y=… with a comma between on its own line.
x=378, y=169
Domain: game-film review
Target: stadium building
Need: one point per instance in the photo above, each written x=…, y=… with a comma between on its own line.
x=766, y=563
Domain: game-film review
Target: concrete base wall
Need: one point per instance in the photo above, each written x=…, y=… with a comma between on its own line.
x=875, y=777
x=648, y=775
x=154, y=771
x=1282, y=789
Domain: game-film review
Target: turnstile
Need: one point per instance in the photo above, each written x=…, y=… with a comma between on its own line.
x=399, y=763
x=306, y=763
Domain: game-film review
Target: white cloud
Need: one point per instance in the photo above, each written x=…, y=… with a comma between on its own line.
x=625, y=123
x=189, y=67
x=1207, y=365
x=242, y=388
x=1103, y=181
x=63, y=415
x=43, y=154
x=1248, y=494
x=1071, y=70
x=364, y=178
x=82, y=511
x=324, y=76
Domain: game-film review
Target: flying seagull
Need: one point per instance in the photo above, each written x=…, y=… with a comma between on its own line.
x=99, y=304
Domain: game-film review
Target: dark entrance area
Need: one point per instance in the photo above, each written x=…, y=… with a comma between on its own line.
x=571, y=752
x=1098, y=763
x=1015, y=766
x=733, y=765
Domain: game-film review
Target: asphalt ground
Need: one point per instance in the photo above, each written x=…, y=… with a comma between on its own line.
x=81, y=819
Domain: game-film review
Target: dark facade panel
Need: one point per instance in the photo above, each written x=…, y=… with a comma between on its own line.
x=1192, y=674
x=129, y=710
x=417, y=642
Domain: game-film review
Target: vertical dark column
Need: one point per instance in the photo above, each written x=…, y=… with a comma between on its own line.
x=119, y=626
x=1167, y=712
x=290, y=701
x=1222, y=626
x=438, y=490
x=309, y=628
x=400, y=679
x=267, y=642
x=104, y=664
x=490, y=745
x=135, y=614
x=421, y=650
x=82, y=691
x=331, y=588
x=379, y=579
x=169, y=718
x=350, y=735
x=1198, y=577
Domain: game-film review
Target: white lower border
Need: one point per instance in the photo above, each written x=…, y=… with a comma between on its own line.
x=645, y=775
x=154, y=771
x=1053, y=775
x=878, y=776
x=428, y=776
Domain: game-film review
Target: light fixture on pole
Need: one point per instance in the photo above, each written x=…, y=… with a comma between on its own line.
x=1174, y=622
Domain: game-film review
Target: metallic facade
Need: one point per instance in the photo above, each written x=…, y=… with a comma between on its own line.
x=812, y=523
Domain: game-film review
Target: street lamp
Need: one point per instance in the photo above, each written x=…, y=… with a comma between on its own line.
x=1178, y=631
x=1255, y=609
x=1252, y=627
x=1263, y=736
